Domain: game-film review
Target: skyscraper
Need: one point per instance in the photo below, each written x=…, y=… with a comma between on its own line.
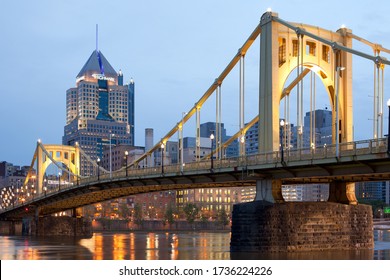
x=99, y=109
x=321, y=121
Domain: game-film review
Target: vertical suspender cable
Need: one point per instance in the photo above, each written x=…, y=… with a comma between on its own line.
x=298, y=95
x=217, y=120
x=378, y=101
x=311, y=107
x=314, y=107
x=220, y=120
x=374, y=124
x=285, y=122
x=197, y=149
x=382, y=96
x=241, y=104
x=301, y=93
x=288, y=124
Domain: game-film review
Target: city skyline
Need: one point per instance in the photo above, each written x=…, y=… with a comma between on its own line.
x=171, y=54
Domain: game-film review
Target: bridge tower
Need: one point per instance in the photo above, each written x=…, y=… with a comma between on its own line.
x=286, y=48
x=58, y=154
x=291, y=49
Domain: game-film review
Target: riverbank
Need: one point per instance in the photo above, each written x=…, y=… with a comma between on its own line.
x=102, y=225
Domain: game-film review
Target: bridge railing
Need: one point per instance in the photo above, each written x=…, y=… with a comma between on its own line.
x=364, y=147
x=351, y=149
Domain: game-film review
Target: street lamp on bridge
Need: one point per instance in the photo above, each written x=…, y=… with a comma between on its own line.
x=59, y=181
x=212, y=155
x=126, y=156
x=98, y=168
x=162, y=157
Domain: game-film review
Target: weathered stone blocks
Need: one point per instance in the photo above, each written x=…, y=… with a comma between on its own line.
x=300, y=226
x=64, y=226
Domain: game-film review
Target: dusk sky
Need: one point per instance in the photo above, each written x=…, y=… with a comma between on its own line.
x=172, y=49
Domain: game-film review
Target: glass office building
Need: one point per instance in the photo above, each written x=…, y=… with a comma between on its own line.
x=99, y=110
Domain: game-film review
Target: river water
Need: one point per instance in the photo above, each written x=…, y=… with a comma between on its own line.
x=162, y=246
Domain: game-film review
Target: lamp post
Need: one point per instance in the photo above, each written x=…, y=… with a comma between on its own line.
x=162, y=157
x=17, y=195
x=98, y=163
x=242, y=143
x=212, y=156
x=59, y=181
x=45, y=184
x=111, y=135
x=33, y=185
x=281, y=142
x=126, y=156
x=388, y=129
x=338, y=69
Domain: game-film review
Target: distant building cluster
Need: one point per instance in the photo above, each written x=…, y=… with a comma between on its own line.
x=12, y=175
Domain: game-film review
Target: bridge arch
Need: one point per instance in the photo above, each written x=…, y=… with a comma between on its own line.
x=45, y=155
x=284, y=49
x=308, y=67
x=327, y=88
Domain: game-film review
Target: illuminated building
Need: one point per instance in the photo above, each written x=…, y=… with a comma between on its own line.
x=154, y=204
x=118, y=156
x=248, y=193
x=373, y=191
x=12, y=175
x=99, y=109
x=210, y=200
x=309, y=192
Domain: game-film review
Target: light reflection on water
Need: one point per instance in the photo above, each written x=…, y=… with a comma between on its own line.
x=163, y=246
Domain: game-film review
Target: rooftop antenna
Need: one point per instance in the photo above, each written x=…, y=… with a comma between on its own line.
x=97, y=37
x=97, y=51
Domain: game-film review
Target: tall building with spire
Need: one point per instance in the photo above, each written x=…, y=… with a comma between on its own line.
x=99, y=109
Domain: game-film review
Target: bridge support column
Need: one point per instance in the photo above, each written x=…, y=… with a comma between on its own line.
x=342, y=192
x=265, y=228
x=13, y=227
x=64, y=226
x=269, y=190
x=77, y=212
x=269, y=89
x=36, y=219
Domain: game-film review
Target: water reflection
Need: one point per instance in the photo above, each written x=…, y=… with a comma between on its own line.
x=47, y=248
x=307, y=255
x=382, y=250
x=159, y=246
x=164, y=246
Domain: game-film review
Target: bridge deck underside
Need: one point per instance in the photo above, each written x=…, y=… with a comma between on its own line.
x=106, y=190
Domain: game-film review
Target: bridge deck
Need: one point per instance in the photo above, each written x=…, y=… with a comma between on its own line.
x=358, y=161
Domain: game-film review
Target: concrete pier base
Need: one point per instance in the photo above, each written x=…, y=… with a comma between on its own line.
x=48, y=226
x=261, y=226
x=10, y=227
x=64, y=226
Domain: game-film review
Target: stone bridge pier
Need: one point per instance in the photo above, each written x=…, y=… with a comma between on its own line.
x=269, y=224
x=70, y=226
